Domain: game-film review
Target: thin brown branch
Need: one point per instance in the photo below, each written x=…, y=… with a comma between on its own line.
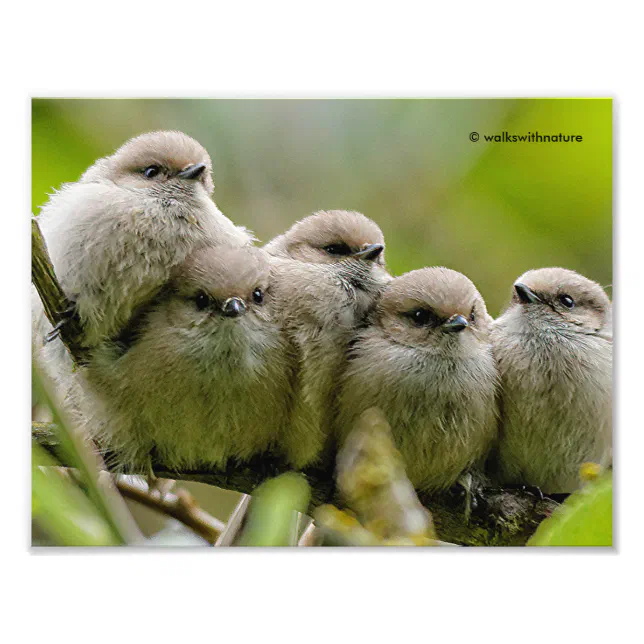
x=241, y=477
x=180, y=506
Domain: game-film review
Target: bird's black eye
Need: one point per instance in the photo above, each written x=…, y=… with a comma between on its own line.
x=421, y=317
x=338, y=249
x=567, y=301
x=202, y=300
x=151, y=171
x=473, y=316
x=258, y=296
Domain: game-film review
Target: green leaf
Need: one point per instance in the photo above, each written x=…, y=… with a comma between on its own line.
x=584, y=519
x=272, y=516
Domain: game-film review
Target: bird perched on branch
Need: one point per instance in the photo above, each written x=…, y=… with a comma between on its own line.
x=328, y=270
x=202, y=375
x=425, y=359
x=553, y=347
x=114, y=235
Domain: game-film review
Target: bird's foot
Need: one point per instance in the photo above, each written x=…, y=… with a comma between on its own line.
x=157, y=486
x=533, y=490
x=530, y=489
x=472, y=485
x=70, y=313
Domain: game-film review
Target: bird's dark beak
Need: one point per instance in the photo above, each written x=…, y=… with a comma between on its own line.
x=233, y=307
x=455, y=324
x=370, y=252
x=192, y=171
x=526, y=295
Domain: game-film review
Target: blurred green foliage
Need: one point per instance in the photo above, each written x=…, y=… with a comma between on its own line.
x=61, y=511
x=584, y=519
x=489, y=210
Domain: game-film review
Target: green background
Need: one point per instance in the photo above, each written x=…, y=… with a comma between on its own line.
x=489, y=210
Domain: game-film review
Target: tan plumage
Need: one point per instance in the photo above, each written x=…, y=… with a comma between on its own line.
x=203, y=377
x=327, y=271
x=426, y=361
x=555, y=362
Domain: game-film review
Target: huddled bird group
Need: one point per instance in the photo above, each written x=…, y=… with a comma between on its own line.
x=205, y=348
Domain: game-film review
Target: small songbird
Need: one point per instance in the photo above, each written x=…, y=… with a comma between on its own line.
x=553, y=347
x=425, y=359
x=202, y=375
x=114, y=235
x=328, y=270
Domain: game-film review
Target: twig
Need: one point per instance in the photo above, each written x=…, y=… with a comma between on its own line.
x=242, y=477
x=180, y=506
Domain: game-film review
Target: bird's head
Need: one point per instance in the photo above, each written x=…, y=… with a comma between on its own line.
x=561, y=300
x=331, y=236
x=168, y=165
x=219, y=298
x=433, y=308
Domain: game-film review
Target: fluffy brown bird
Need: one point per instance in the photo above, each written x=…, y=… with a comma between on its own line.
x=553, y=347
x=202, y=375
x=426, y=361
x=327, y=271
x=115, y=235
